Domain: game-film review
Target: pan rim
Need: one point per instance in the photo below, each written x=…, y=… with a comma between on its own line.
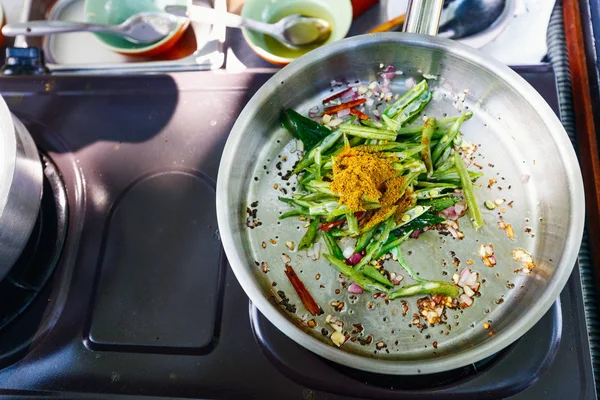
x=413, y=367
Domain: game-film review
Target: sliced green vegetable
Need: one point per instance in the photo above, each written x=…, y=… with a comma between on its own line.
x=433, y=192
x=365, y=238
x=304, y=129
x=357, y=277
x=428, y=129
x=441, y=203
x=426, y=287
x=368, y=133
x=403, y=155
x=413, y=109
x=321, y=147
x=310, y=237
x=447, y=139
x=407, y=267
x=332, y=246
x=467, y=186
x=441, y=122
x=372, y=124
x=391, y=244
x=352, y=223
x=423, y=221
x=373, y=273
x=294, y=213
x=411, y=95
x=376, y=246
x=390, y=123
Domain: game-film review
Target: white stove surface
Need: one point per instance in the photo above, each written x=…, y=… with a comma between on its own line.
x=517, y=38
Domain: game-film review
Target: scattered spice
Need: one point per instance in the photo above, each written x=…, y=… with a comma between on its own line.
x=264, y=266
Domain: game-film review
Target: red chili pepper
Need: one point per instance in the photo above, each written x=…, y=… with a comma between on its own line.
x=359, y=114
x=343, y=106
x=335, y=96
x=303, y=293
x=330, y=225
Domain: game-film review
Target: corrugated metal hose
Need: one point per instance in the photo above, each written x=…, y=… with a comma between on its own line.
x=557, y=54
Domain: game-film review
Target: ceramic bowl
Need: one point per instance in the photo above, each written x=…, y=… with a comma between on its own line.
x=337, y=12
x=2, y=22
x=116, y=11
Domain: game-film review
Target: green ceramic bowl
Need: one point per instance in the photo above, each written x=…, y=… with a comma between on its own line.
x=116, y=11
x=337, y=12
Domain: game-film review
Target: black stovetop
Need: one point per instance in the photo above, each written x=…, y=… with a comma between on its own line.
x=143, y=303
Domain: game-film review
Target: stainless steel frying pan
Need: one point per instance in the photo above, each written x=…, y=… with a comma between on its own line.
x=20, y=188
x=522, y=145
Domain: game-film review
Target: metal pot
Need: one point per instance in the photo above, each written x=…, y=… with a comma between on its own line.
x=20, y=187
x=517, y=130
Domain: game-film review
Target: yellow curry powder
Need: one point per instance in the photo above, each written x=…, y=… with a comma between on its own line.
x=360, y=175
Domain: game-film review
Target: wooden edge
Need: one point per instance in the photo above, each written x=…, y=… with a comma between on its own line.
x=584, y=121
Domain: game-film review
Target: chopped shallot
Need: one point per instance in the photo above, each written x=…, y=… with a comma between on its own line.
x=355, y=258
x=465, y=301
x=314, y=112
x=486, y=252
x=389, y=72
x=348, y=251
x=343, y=113
x=355, y=289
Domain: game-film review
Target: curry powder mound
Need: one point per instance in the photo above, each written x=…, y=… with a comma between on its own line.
x=358, y=176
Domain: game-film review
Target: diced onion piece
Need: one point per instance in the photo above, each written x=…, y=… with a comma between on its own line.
x=338, y=338
x=468, y=291
x=355, y=258
x=285, y=258
x=314, y=112
x=355, y=289
x=465, y=300
x=348, y=251
x=335, y=122
x=464, y=276
x=343, y=113
x=455, y=278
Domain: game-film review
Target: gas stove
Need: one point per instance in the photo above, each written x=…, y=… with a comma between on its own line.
x=141, y=301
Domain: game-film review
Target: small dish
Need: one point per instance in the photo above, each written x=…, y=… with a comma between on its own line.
x=114, y=12
x=337, y=12
x=2, y=22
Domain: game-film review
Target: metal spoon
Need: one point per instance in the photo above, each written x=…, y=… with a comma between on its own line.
x=463, y=18
x=141, y=28
x=294, y=31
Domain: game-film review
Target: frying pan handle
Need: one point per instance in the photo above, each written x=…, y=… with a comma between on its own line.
x=423, y=16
